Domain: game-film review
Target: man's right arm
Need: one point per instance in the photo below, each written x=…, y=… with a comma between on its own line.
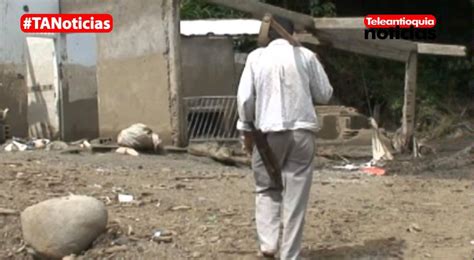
x=246, y=105
x=321, y=89
x=246, y=98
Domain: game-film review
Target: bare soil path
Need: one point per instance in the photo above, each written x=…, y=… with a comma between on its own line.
x=350, y=216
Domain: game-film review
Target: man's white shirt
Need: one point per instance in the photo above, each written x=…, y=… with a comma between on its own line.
x=279, y=87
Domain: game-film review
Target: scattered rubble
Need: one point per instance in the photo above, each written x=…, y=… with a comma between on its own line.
x=456, y=160
x=19, y=144
x=127, y=151
x=349, y=167
x=14, y=146
x=57, y=146
x=63, y=226
x=226, y=154
x=125, y=198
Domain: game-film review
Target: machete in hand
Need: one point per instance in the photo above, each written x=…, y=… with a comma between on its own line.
x=268, y=157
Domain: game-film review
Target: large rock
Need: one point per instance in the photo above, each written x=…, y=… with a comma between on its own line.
x=63, y=226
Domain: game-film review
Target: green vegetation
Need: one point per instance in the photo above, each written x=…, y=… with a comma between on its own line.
x=198, y=9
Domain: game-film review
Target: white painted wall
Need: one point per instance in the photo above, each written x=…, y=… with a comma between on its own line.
x=13, y=39
x=43, y=88
x=81, y=51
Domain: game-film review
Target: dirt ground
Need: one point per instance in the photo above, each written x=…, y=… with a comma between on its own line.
x=427, y=215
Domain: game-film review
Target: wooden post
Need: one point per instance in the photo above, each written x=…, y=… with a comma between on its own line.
x=178, y=120
x=409, y=103
x=264, y=29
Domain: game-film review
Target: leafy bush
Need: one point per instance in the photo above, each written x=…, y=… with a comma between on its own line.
x=198, y=9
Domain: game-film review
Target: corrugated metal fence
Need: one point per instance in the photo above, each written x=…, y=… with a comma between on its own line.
x=211, y=118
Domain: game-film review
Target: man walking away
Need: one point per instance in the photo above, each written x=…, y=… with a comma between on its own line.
x=278, y=89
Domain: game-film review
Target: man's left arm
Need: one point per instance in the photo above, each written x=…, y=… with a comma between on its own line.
x=321, y=89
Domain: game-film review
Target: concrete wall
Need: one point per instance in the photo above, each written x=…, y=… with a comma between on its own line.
x=80, y=106
x=43, y=87
x=13, y=93
x=134, y=65
x=207, y=66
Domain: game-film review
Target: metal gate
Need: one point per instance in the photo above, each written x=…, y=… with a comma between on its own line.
x=211, y=118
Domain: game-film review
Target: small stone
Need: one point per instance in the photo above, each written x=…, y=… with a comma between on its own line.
x=180, y=186
x=180, y=208
x=165, y=170
x=120, y=241
x=163, y=239
x=214, y=239
x=130, y=231
x=325, y=182
x=6, y=212
x=57, y=146
x=428, y=255
x=414, y=228
x=196, y=255
x=20, y=175
x=116, y=249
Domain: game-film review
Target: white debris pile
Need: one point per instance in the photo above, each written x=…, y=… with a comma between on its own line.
x=138, y=137
x=63, y=226
x=18, y=144
x=3, y=114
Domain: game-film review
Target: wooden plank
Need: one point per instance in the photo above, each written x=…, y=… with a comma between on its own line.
x=258, y=10
x=370, y=50
x=263, y=38
x=330, y=31
x=359, y=35
x=178, y=117
x=339, y=23
x=409, y=103
x=352, y=44
x=354, y=41
x=441, y=49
